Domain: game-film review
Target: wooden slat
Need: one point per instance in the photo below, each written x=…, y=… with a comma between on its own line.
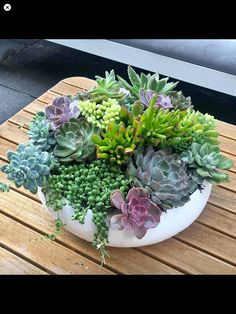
x=223, y=198
x=13, y=133
x=65, y=89
x=5, y=146
x=81, y=82
x=13, y=265
x=35, y=107
x=227, y=145
x=231, y=185
x=187, y=258
x=127, y=261
x=50, y=255
x=226, y=129
x=47, y=97
x=22, y=118
x=219, y=220
x=210, y=241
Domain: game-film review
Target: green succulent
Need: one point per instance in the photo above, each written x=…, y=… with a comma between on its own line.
x=4, y=187
x=195, y=127
x=147, y=82
x=181, y=102
x=206, y=159
x=28, y=167
x=158, y=125
x=74, y=141
x=163, y=175
x=39, y=133
x=106, y=88
x=100, y=114
x=118, y=142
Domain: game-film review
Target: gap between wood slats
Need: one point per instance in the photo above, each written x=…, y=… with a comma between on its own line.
x=97, y=261
x=59, y=246
x=39, y=231
x=216, y=229
x=68, y=246
x=204, y=250
x=2, y=245
x=161, y=260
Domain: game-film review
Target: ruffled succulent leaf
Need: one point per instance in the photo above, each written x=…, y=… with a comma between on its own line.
x=139, y=213
x=61, y=111
x=225, y=163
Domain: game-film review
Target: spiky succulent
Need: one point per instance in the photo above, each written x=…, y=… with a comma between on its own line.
x=39, y=133
x=102, y=113
x=145, y=82
x=139, y=213
x=61, y=111
x=106, y=88
x=158, y=124
x=118, y=143
x=74, y=141
x=181, y=102
x=28, y=167
x=206, y=159
x=162, y=174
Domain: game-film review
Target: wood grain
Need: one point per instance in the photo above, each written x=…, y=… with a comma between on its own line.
x=36, y=217
x=50, y=255
x=11, y=264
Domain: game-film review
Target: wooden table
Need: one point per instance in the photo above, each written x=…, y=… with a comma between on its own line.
x=208, y=246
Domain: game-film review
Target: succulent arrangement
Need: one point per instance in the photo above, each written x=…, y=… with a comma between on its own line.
x=126, y=151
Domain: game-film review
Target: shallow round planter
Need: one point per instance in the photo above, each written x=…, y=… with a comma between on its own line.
x=172, y=222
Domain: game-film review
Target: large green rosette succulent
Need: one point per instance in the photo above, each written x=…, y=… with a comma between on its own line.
x=74, y=141
x=163, y=175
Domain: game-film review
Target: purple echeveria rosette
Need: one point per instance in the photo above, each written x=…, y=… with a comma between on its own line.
x=139, y=213
x=162, y=101
x=61, y=111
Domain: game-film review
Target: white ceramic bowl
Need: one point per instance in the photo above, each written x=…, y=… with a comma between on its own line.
x=172, y=222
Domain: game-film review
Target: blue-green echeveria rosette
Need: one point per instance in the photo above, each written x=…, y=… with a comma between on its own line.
x=163, y=175
x=28, y=167
x=207, y=160
x=40, y=133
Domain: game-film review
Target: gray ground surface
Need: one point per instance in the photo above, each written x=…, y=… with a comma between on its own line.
x=29, y=67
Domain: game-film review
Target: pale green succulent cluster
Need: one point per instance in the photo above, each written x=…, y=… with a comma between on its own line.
x=28, y=167
x=163, y=175
x=206, y=159
x=195, y=127
x=40, y=134
x=74, y=141
x=100, y=114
